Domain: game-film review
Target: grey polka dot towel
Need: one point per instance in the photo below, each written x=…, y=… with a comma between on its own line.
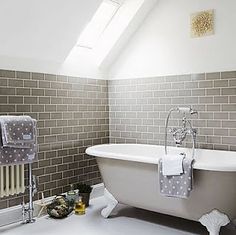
x=178, y=186
x=18, y=142
x=18, y=131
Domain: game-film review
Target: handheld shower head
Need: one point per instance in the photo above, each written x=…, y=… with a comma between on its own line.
x=186, y=110
x=193, y=112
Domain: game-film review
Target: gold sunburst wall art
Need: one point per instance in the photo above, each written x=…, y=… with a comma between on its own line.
x=202, y=23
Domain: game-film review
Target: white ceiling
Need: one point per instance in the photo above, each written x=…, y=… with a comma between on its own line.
x=42, y=29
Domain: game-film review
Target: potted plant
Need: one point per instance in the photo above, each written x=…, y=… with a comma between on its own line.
x=84, y=192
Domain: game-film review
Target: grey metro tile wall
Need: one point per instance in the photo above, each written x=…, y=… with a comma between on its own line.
x=138, y=108
x=72, y=114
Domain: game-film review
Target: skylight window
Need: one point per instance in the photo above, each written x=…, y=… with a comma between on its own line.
x=98, y=23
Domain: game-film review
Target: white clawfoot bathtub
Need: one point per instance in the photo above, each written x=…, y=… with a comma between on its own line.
x=130, y=175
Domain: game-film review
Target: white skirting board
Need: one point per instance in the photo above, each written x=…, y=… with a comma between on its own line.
x=10, y=215
x=14, y=214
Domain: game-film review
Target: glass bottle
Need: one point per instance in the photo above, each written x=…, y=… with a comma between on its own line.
x=79, y=207
x=71, y=195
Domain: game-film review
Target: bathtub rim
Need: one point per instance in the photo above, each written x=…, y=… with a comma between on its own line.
x=212, y=162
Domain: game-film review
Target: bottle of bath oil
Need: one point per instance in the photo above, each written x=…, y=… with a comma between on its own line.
x=79, y=207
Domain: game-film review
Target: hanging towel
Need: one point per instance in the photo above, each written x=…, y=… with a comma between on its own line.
x=21, y=147
x=14, y=156
x=172, y=164
x=178, y=186
x=18, y=131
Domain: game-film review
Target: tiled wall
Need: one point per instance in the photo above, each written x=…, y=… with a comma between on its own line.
x=72, y=114
x=138, y=108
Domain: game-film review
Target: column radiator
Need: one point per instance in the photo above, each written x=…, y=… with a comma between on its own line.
x=11, y=180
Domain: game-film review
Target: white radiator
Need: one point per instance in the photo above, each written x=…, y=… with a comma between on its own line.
x=11, y=180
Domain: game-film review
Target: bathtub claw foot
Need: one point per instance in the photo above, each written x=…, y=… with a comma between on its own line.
x=213, y=221
x=111, y=204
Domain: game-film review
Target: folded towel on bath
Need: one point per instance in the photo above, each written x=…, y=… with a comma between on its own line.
x=172, y=164
x=18, y=131
x=178, y=186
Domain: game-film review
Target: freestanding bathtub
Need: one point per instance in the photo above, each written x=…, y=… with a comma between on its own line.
x=130, y=175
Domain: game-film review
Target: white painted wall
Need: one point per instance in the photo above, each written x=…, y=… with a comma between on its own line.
x=77, y=64
x=95, y=62
x=38, y=36
x=126, y=21
x=44, y=30
x=163, y=46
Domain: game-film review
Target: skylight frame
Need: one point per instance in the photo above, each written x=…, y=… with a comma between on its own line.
x=89, y=38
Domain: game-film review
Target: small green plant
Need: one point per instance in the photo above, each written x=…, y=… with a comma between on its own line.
x=83, y=188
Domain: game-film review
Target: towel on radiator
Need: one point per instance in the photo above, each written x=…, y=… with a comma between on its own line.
x=14, y=156
x=178, y=186
x=21, y=147
x=18, y=131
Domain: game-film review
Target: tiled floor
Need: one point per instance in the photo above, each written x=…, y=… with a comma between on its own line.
x=124, y=220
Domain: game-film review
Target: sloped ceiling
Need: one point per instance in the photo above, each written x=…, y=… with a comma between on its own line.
x=42, y=29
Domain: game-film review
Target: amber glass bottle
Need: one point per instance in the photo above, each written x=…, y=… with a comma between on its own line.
x=79, y=207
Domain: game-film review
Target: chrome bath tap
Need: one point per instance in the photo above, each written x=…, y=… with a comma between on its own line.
x=179, y=134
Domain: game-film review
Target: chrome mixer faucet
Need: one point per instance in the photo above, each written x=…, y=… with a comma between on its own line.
x=179, y=134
